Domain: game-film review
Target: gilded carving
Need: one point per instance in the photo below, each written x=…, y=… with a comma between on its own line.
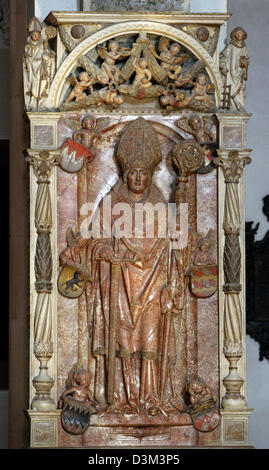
x=89, y=59
x=163, y=74
x=202, y=406
x=188, y=157
x=75, y=151
x=76, y=401
x=200, y=129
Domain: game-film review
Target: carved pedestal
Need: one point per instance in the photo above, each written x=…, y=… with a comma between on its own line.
x=135, y=339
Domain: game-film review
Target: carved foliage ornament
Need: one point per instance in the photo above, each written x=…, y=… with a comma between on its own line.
x=42, y=165
x=233, y=166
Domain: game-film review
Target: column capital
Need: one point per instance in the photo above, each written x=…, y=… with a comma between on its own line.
x=232, y=162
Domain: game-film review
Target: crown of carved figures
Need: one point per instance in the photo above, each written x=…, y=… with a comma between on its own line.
x=138, y=147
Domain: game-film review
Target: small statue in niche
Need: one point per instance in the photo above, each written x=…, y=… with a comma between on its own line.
x=76, y=401
x=203, y=410
x=38, y=66
x=233, y=66
x=81, y=84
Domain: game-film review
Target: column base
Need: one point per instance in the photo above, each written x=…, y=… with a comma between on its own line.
x=235, y=427
x=44, y=428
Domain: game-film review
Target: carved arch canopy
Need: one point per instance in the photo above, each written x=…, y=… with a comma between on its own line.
x=202, y=59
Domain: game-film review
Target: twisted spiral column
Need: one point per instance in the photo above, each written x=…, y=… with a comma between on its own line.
x=42, y=164
x=232, y=166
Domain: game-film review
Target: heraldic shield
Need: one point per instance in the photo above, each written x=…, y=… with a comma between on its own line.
x=205, y=418
x=72, y=281
x=203, y=280
x=73, y=155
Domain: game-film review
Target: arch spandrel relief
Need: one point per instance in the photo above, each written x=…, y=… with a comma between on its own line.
x=133, y=288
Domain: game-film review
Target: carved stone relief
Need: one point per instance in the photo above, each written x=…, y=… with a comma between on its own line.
x=137, y=354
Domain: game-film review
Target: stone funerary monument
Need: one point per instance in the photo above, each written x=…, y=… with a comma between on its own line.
x=137, y=287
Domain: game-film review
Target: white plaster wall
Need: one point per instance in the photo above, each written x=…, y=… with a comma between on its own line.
x=216, y=6
x=43, y=7
x=253, y=16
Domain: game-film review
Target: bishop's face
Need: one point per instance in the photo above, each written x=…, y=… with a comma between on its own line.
x=137, y=180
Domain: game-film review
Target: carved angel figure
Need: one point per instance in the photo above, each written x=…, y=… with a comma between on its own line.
x=110, y=56
x=203, y=409
x=38, y=66
x=170, y=61
x=76, y=401
x=203, y=254
x=89, y=130
x=143, y=74
x=201, y=88
x=177, y=99
x=196, y=127
x=83, y=83
x=75, y=151
x=199, y=393
x=233, y=66
x=80, y=389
